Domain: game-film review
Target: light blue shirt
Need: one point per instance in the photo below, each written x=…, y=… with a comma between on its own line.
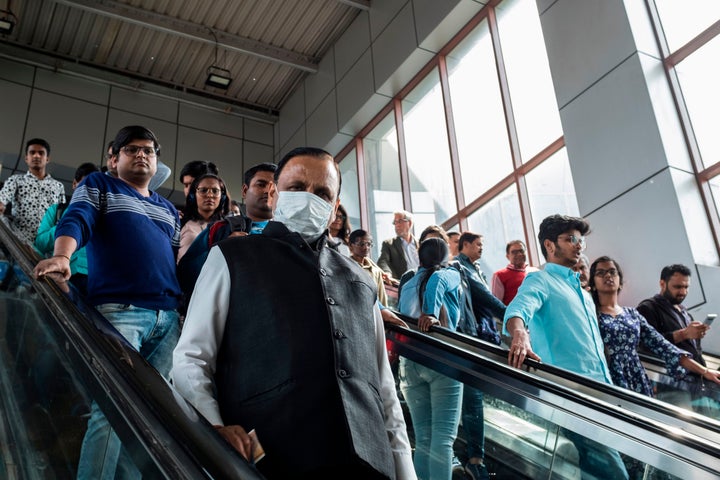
x=561, y=319
x=442, y=288
x=258, y=227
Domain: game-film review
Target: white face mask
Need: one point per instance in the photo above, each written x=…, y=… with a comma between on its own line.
x=304, y=213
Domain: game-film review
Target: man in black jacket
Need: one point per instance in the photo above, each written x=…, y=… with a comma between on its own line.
x=668, y=316
x=287, y=340
x=399, y=254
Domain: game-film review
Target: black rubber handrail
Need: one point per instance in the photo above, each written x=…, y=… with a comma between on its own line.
x=669, y=422
x=147, y=413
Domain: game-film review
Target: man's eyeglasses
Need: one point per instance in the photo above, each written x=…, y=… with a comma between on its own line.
x=133, y=150
x=402, y=220
x=575, y=240
x=363, y=244
x=209, y=191
x=601, y=273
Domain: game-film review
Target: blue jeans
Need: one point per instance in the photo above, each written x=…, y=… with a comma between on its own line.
x=597, y=461
x=473, y=420
x=154, y=333
x=434, y=401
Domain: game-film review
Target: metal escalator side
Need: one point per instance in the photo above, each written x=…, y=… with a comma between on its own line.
x=533, y=418
x=57, y=355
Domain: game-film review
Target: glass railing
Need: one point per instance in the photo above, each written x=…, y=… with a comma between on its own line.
x=545, y=422
x=691, y=391
x=57, y=356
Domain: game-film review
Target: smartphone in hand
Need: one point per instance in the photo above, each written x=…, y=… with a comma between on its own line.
x=709, y=319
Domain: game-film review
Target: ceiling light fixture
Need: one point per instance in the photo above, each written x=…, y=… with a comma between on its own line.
x=8, y=20
x=217, y=77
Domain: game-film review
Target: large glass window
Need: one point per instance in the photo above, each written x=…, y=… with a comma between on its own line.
x=682, y=21
x=428, y=153
x=479, y=117
x=349, y=194
x=498, y=221
x=551, y=189
x=382, y=173
x=702, y=98
x=537, y=119
x=690, y=31
x=485, y=74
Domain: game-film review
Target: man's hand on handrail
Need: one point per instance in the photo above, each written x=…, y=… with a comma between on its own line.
x=520, y=348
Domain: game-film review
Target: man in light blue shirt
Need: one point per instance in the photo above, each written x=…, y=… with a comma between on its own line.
x=553, y=318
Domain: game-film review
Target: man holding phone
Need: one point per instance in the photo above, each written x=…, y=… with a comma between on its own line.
x=668, y=316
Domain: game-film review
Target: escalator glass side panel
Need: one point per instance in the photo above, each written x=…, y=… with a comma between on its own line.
x=44, y=406
x=541, y=430
x=691, y=392
x=690, y=420
x=58, y=357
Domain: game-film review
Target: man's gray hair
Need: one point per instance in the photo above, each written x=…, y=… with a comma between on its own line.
x=404, y=213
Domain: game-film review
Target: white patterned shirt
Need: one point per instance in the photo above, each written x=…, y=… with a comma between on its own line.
x=30, y=198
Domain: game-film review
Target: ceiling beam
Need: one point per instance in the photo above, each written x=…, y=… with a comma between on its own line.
x=359, y=4
x=194, y=31
x=96, y=72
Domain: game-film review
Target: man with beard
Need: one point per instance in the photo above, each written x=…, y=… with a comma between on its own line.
x=668, y=316
x=287, y=341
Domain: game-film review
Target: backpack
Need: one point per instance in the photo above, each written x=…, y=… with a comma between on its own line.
x=467, y=323
x=484, y=329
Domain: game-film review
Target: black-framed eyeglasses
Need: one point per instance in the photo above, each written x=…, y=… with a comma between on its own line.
x=133, y=150
x=575, y=240
x=601, y=273
x=364, y=244
x=209, y=191
x=341, y=217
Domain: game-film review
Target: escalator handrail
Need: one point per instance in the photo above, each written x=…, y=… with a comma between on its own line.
x=179, y=440
x=669, y=412
x=623, y=394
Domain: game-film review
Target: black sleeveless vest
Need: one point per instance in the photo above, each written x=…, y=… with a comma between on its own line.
x=298, y=360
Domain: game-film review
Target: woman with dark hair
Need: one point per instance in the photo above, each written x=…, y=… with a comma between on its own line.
x=339, y=230
x=207, y=201
x=432, y=231
x=623, y=329
x=432, y=296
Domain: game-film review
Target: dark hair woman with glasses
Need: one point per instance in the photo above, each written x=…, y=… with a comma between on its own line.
x=623, y=329
x=207, y=201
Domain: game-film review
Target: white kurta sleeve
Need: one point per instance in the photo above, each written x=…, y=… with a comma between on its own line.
x=195, y=355
x=394, y=420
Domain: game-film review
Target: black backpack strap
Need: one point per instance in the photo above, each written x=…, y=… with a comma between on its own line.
x=239, y=223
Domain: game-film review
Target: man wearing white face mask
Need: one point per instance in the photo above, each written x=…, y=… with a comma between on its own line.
x=286, y=340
